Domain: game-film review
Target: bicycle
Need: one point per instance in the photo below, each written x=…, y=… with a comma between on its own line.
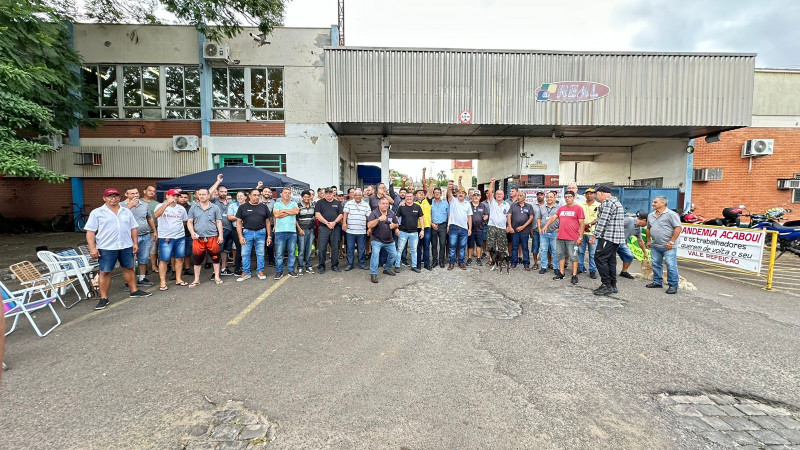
x=68, y=220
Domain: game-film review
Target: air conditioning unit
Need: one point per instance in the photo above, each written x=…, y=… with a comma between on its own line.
x=56, y=141
x=788, y=183
x=215, y=50
x=88, y=159
x=757, y=147
x=707, y=175
x=185, y=143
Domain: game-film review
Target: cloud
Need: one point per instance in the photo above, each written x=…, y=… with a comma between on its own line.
x=768, y=28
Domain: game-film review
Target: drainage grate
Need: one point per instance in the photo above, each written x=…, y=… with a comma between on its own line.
x=733, y=420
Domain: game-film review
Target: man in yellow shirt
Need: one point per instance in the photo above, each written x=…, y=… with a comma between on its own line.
x=590, y=207
x=423, y=199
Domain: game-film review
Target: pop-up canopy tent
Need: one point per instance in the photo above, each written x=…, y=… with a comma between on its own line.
x=234, y=178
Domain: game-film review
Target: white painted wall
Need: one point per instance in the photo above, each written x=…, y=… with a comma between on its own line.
x=312, y=151
x=545, y=151
x=776, y=122
x=606, y=167
x=500, y=163
x=665, y=159
x=150, y=44
x=348, y=155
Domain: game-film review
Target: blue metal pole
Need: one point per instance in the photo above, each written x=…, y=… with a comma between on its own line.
x=205, y=99
x=687, y=191
x=74, y=137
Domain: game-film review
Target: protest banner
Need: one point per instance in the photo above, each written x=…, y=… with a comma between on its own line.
x=732, y=247
x=530, y=194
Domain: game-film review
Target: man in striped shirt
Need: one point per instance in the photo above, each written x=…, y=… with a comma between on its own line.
x=305, y=232
x=354, y=225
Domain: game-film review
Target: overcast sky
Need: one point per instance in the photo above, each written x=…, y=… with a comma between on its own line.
x=767, y=27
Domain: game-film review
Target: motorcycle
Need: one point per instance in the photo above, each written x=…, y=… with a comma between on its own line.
x=788, y=235
x=731, y=217
x=690, y=216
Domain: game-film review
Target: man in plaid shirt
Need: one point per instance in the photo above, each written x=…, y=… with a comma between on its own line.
x=610, y=234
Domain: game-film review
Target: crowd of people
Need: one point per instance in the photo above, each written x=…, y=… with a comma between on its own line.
x=426, y=228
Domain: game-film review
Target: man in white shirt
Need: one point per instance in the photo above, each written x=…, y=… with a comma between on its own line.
x=171, y=235
x=496, y=237
x=112, y=235
x=459, y=225
x=354, y=224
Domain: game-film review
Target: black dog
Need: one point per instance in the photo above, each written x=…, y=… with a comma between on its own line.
x=500, y=259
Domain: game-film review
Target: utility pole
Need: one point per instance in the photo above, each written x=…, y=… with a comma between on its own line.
x=341, y=22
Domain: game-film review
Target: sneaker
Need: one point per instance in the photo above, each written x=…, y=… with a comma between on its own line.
x=654, y=286
x=593, y=274
x=363, y=267
x=320, y=270
x=245, y=276
x=225, y=273
x=388, y=272
x=415, y=269
x=672, y=290
x=603, y=290
x=348, y=268
x=469, y=261
x=614, y=290
x=626, y=275
x=261, y=276
x=428, y=268
x=335, y=269
x=479, y=262
x=310, y=270
x=271, y=264
x=405, y=263
x=277, y=276
x=543, y=271
x=574, y=279
x=292, y=274
x=373, y=278
x=299, y=272
x=102, y=304
x=237, y=274
x=396, y=270
x=141, y=293
x=559, y=276
x=145, y=282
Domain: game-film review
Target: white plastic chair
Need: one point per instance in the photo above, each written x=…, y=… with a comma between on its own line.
x=22, y=303
x=63, y=267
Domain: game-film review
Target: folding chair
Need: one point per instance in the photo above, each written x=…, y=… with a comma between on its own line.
x=21, y=303
x=66, y=266
x=29, y=276
x=83, y=249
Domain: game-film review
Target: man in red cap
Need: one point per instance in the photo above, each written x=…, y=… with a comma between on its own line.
x=112, y=235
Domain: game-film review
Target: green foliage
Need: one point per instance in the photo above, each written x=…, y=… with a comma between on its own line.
x=38, y=74
x=214, y=18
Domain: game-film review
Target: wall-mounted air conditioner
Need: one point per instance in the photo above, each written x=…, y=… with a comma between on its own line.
x=88, y=159
x=185, y=143
x=757, y=147
x=707, y=175
x=788, y=183
x=215, y=50
x=56, y=141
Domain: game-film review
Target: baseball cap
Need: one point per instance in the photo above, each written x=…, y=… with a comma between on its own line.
x=588, y=190
x=603, y=189
x=174, y=192
x=109, y=192
x=641, y=215
x=340, y=193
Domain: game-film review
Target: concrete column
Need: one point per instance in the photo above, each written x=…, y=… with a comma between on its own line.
x=205, y=100
x=385, y=147
x=540, y=156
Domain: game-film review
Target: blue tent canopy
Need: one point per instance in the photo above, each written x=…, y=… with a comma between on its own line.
x=235, y=178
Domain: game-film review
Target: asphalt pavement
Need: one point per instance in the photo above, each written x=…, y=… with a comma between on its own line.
x=438, y=360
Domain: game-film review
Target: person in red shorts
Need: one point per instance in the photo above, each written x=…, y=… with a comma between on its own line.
x=570, y=235
x=205, y=227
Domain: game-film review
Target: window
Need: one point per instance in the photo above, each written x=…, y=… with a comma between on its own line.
x=247, y=93
x=653, y=182
x=795, y=195
x=274, y=163
x=148, y=92
x=182, y=85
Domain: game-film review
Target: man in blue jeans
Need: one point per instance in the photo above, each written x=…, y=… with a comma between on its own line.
x=459, y=225
x=382, y=223
x=590, y=208
x=305, y=232
x=354, y=224
x=253, y=228
x=285, y=213
x=663, y=229
x=520, y=218
x=547, y=237
x=409, y=214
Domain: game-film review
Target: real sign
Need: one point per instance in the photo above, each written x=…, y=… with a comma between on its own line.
x=733, y=247
x=571, y=91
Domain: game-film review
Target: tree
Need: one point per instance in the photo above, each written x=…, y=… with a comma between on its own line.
x=214, y=18
x=39, y=75
x=441, y=176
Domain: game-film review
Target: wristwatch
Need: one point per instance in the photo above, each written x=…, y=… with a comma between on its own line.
x=672, y=242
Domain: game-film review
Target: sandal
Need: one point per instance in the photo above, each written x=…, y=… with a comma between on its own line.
x=163, y=288
x=218, y=281
x=194, y=284
x=181, y=283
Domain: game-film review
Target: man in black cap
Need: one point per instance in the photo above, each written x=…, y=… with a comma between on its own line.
x=633, y=227
x=609, y=235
